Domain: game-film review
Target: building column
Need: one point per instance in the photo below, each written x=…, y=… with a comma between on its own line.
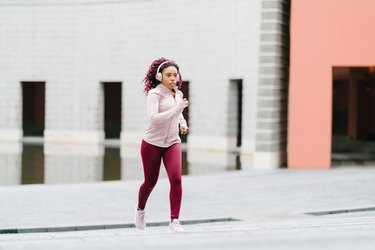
x=270, y=146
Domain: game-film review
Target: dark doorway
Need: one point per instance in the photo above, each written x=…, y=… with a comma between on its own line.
x=185, y=113
x=235, y=111
x=33, y=108
x=353, y=114
x=239, y=112
x=112, y=109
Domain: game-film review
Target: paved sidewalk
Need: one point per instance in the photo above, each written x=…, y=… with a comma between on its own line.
x=270, y=206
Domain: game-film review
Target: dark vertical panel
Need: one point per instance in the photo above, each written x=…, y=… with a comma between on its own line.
x=33, y=108
x=185, y=91
x=239, y=113
x=112, y=109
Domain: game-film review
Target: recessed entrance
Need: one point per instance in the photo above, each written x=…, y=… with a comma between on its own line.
x=353, y=115
x=235, y=112
x=112, y=109
x=33, y=99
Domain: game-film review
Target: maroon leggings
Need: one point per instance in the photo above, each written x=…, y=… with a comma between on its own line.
x=151, y=158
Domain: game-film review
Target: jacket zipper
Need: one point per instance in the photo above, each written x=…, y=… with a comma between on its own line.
x=170, y=122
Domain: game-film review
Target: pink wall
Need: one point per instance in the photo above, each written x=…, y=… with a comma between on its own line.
x=324, y=33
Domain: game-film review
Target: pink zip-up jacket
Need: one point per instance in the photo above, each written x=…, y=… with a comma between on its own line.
x=165, y=115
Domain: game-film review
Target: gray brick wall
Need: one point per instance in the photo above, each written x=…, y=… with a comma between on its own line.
x=273, y=77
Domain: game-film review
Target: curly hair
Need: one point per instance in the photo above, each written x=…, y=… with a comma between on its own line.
x=150, y=81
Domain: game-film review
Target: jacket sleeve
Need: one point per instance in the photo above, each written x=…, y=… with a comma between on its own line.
x=182, y=121
x=153, y=114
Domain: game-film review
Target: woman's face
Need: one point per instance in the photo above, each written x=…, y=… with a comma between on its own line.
x=169, y=77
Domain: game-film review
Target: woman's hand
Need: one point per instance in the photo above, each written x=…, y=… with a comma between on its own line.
x=185, y=102
x=184, y=131
x=181, y=105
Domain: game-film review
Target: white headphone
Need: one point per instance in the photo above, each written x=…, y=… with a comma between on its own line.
x=159, y=76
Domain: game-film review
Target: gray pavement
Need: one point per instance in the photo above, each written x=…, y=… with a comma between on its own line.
x=271, y=207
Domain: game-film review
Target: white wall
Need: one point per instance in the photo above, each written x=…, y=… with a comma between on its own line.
x=10, y=163
x=75, y=45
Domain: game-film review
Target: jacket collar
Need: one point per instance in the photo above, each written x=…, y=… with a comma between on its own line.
x=164, y=89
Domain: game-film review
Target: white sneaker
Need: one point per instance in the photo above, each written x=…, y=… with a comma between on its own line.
x=175, y=226
x=139, y=219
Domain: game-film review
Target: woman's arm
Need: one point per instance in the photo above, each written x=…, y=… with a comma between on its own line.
x=182, y=121
x=184, y=130
x=154, y=116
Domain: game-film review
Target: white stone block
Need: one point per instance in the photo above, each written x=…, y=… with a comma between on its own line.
x=268, y=160
x=10, y=135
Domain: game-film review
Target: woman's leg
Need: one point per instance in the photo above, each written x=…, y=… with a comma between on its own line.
x=172, y=159
x=151, y=159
